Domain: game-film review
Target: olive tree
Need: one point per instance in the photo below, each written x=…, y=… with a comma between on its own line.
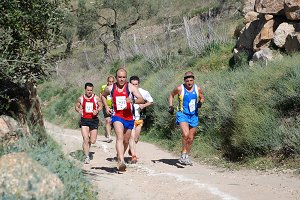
x=28, y=29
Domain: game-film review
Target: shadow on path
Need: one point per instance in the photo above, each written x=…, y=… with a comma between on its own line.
x=172, y=162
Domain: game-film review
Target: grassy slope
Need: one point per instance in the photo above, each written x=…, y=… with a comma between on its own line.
x=250, y=114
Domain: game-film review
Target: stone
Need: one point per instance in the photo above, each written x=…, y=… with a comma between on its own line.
x=292, y=9
x=275, y=7
x=282, y=31
x=292, y=43
x=22, y=177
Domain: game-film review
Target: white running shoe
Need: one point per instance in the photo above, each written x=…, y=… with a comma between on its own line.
x=182, y=158
x=87, y=160
x=188, y=161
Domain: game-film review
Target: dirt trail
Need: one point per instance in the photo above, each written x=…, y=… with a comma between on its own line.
x=157, y=175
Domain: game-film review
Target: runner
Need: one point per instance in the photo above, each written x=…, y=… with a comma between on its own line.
x=139, y=119
x=190, y=97
x=110, y=81
x=122, y=116
x=88, y=105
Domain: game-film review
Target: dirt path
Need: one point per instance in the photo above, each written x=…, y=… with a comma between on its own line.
x=157, y=175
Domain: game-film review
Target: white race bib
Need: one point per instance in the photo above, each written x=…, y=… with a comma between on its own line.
x=121, y=102
x=89, y=107
x=192, y=105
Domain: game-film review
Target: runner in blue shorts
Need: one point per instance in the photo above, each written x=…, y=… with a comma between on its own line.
x=122, y=94
x=190, y=98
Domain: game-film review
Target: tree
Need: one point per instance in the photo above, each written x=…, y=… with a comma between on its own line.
x=118, y=16
x=27, y=30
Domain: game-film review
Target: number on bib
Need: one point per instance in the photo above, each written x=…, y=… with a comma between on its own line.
x=121, y=102
x=192, y=105
x=88, y=107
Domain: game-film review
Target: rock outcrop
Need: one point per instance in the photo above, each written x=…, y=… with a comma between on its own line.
x=269, y=24
x=23, y=178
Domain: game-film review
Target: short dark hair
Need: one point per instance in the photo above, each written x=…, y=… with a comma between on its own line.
x=88, y=84
x=134, y=78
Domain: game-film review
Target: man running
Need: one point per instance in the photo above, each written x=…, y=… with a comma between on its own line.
x=138, y=118
x=190, y=98
x=110, y=81
x=122, y=116
x=88, y=105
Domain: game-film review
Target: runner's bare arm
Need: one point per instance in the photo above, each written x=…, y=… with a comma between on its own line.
x=105, y=93
x=139, y=99
x=173, y=93
x=148, y=103
x=201, y=95
x=78, y=106
x=99, y=103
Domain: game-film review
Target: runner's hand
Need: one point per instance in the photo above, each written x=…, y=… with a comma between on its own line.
x=171, y=110
x=199, y=104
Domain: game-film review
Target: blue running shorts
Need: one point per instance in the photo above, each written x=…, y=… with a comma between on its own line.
x=128, y=124
x=192, y=120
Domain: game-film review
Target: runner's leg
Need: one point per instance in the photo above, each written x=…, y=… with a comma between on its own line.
x=107, y=127
x=138, y=130
x=86, y=140
x=119, y=130
x=93, y=136
x=132, y=142
x=184, y=135
x=190, y=138
x=127, y=135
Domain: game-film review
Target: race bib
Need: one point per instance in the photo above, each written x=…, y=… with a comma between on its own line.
x=88, y=107
x=121, y=102
x=192, y=105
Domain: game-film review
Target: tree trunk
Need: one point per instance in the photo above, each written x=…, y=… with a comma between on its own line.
x=23, y=105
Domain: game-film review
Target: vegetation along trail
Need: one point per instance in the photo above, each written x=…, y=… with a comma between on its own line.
x=158, y=175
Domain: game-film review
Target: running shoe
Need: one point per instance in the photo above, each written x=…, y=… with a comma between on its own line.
x=182, y=158
x=109, y=140
x=87, y=160
x=122, y=166
x=188, y=161
x=133, y=160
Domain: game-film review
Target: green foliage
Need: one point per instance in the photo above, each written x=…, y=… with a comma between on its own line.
x=29, y=28
x=86, y=19
x=248, y=112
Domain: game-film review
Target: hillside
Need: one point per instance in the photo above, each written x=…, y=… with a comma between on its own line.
x=235, y=127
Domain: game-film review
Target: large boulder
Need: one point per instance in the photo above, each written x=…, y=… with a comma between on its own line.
x=248, y=34
x=292, y=9
x=264, y=54
x=248, y=6
x=282, y=31
x=23, y=178
x=272, y=23
x=275, y=7
x=265, y=36
x=250, y=17
x=9, y=129
x=292, y=43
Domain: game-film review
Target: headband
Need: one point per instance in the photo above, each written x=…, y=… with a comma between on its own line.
x=188, y=76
